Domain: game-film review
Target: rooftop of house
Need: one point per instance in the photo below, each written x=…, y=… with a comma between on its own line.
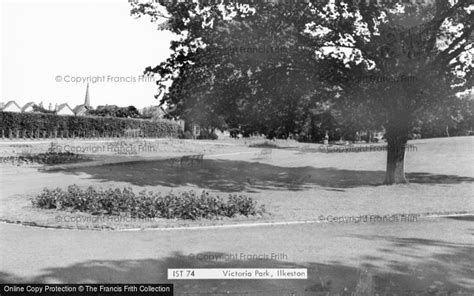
x=62, y=106
x=9, y=103
x=30, y=104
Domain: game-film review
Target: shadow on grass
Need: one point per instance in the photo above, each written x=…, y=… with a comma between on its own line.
x=234, y=176
x=469, y=218
x=439, y=274
x=449, y=266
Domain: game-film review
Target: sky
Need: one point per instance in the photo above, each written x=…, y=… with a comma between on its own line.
x=51, y=49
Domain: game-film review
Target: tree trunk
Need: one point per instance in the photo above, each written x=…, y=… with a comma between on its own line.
x=395, y=173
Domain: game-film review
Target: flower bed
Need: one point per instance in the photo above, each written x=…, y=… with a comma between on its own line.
x=44, y=158
x=147, y=204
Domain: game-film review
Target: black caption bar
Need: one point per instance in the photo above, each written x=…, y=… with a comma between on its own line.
x=87, y=289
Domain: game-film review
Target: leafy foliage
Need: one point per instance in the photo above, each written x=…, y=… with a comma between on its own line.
x=264, y=144
x=183, y=205
x=223, y=78
x=207, y=135
x=154, y=113
x=44, y=158
x=40, y=108
x=115, y=111
x=185, y=135
x=392, y=42
x=220, y=77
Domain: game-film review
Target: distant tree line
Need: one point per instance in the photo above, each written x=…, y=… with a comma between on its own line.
x=154, y=113
x=115, y=111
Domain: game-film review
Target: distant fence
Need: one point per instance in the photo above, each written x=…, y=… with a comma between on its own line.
x=362, y=148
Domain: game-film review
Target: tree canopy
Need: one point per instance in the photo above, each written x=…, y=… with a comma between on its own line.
x=115, y=111
x=273, y=68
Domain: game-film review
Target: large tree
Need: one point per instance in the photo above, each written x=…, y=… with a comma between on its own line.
x=233, y=67
x=392, y=64
x=414, y=59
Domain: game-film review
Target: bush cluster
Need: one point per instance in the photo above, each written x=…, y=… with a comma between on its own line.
x=44, y=158
x=147, y=204
x=265, y=144
x=28, y=124
x=207, y=135
x=185, y=135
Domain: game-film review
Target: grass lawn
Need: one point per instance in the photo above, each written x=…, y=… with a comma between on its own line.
x=292, y=183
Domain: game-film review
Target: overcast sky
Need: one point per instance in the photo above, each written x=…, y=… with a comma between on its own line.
x=47, y=44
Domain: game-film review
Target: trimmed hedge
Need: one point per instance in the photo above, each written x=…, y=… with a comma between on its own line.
x=30, y=124
x=182, y=205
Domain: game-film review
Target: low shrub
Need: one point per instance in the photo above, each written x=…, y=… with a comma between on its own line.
x=147, y=204
x=207, y=135
x=47, y=158
x=266, y=144
x=185, y=135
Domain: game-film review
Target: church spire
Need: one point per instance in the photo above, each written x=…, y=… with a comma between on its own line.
x=87, y=101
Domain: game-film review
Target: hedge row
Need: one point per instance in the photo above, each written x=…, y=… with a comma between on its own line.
x=11, y=122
